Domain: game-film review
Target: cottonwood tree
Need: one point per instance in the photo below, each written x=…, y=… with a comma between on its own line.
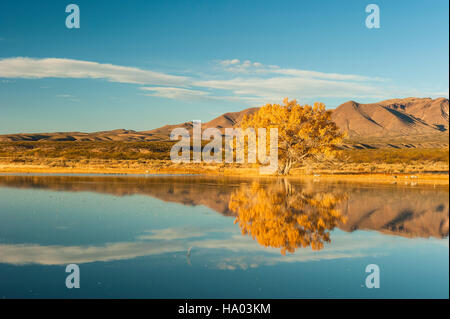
x=303, y=131
x=286, y=217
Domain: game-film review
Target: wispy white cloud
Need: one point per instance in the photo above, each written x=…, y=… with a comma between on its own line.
x=227, y=63
x=30, y=68
x=21, y=254
x=177, y=233
x=249, y=67
x=251, y=83
x=237, y=250
x=65, y=96
x=274, y=89
x=175, y=93
x=260, y=83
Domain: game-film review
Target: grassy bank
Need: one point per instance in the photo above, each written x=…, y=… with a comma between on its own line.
x=153, y=157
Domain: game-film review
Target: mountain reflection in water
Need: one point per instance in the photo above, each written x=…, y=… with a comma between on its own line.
x=174, y=237
x=279, y=213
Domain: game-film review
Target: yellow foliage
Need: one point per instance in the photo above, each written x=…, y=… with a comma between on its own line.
x=303, y=131
x=287, y=218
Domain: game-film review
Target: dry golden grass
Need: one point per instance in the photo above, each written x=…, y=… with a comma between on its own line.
x=396, y=156
x=153, y=158
x=355, y=172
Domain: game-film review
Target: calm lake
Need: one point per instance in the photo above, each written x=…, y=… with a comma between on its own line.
x=201, y=237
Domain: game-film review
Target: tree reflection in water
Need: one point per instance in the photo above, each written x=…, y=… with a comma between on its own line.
x=286, y=216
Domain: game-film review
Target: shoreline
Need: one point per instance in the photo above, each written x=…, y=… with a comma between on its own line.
x=409, y=178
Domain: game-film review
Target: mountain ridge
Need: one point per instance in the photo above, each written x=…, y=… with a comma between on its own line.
x=408, y=119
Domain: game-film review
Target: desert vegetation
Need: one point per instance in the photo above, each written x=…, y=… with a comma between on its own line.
x=154, y=157
x=69, y=150
x=411, y=137
x=396, y=156
x=303, y=131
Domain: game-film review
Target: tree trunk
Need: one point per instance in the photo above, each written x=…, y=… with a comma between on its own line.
x=287, y=187
x=285, y=169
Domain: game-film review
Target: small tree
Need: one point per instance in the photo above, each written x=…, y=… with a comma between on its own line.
x=303, y=131
x=285, y=216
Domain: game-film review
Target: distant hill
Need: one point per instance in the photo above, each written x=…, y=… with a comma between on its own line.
x=409, y=122
x=226, y=120
x=397, y=117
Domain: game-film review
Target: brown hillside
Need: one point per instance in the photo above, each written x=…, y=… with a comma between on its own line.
x=396, y=117
x=409, y=122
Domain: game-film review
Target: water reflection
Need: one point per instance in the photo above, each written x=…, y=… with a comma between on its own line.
x=402, y=210
x=286, y=216
x=174, y=237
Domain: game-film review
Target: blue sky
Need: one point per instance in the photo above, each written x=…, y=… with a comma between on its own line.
x=142, y=64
